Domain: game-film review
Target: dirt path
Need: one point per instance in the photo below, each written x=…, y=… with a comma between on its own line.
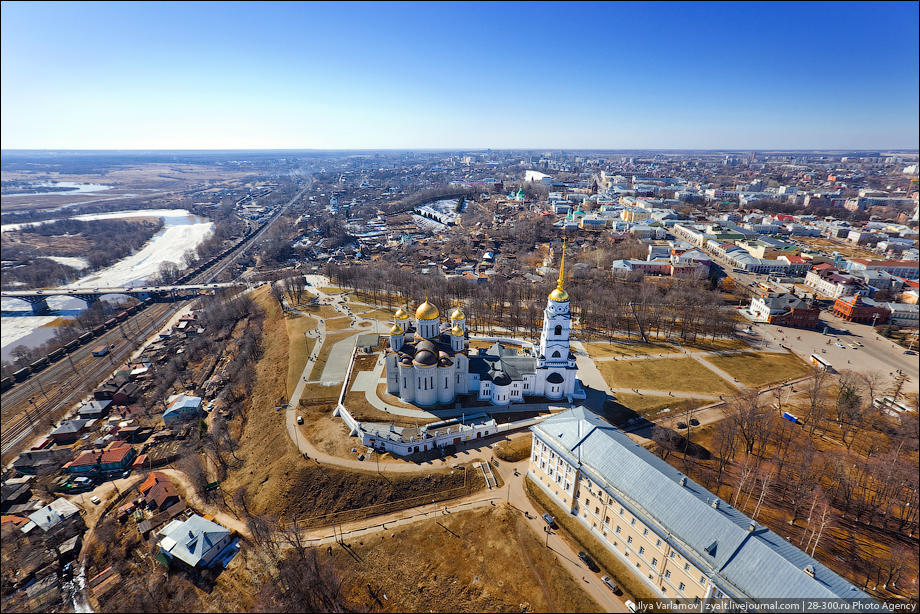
x=222, y=518
x=534, y=570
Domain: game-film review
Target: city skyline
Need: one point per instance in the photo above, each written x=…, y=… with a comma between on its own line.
x=142, y=76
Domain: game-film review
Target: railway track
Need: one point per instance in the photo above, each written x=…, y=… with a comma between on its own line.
x=39, y=401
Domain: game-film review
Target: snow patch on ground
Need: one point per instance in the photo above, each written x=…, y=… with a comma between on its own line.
x=77, y=263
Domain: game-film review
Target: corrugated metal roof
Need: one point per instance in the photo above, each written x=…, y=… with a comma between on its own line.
x=758, y=564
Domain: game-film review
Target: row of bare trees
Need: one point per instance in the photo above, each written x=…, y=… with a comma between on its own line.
x=675, y=309
x=845, y=466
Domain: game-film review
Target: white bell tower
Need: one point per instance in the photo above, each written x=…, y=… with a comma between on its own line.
x=557, y=325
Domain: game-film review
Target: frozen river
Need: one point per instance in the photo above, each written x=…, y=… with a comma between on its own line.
x=182, y=232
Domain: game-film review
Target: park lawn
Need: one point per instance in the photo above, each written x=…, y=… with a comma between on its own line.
x=759, y=369
x=331, y=290
x=717, y=345
x=299, y=347
x=334, y=324
x=665, y=374
x=651, y=406
x=322, y=311
x=378, y=314
x=617, y=349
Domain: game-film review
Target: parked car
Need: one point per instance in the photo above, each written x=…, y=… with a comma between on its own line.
x=611, y=584
x=549, y=520
x=588, y=561
x=694, y=422
x=681, y=425
x=631, y=606
x=96, y=500
x=299, y=419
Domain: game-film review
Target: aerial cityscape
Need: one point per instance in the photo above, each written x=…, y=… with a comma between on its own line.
x=460, y=307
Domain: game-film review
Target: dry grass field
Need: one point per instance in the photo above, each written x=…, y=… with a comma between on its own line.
x=299, y=347
x=337, y=324
x=264, y=447
x=677, y=374
x=759, y=369
x=653, y=406
x=474, y=561
x=618, y=349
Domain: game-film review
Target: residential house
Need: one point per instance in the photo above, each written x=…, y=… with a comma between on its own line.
x=194, y=542
x=182, y=407
x=41, y=462
x=50, y=516
x=116, y=457
x=69, y=431
x=94, y=409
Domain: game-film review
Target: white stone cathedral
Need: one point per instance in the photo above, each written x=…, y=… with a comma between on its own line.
x=429, y=363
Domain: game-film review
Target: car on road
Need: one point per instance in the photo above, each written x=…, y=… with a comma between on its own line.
x=299, y=419
x=631, y=606
x=96, y=500
x=588, y=561
x=840, y=345
x=549, y=520
x=694, y=422
x=611, y=584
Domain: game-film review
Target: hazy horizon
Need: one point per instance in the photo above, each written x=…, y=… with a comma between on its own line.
x=467, y=76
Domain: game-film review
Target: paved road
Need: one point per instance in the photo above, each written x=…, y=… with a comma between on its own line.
x=877, y=354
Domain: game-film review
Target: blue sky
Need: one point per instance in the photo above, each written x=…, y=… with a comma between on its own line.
x=473, y=75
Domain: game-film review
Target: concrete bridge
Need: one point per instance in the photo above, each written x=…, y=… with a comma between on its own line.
x=38, y=299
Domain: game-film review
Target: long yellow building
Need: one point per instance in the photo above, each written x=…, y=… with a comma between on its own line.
x=679, y=538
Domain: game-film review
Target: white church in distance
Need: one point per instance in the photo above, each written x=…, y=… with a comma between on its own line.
x=429, y=363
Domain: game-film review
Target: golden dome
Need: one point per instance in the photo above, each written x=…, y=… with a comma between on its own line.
x=396, y=330
x=456, y=331
x=427, y=311
x=457, y=314
x=559, y=295
x=401, y=314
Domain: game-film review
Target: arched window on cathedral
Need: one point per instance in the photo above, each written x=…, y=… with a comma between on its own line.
x=556, y=354
x=558, y=329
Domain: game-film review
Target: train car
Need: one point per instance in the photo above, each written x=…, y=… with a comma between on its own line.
x=99, y=330
x=56, y=354
x=85, y=337
x=122, y=315
x=70, y=346
x=39, y=364
x=110, y=323
x=22, y=374
x=6, y=383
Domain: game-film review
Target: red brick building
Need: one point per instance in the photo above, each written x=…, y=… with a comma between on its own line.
x=857, y=309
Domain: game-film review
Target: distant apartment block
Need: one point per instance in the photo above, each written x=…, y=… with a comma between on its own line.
x=902, y=268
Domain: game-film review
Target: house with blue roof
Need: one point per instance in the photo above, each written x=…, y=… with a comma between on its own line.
x=680, y=539
x=195, y=542
x=182, y=407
